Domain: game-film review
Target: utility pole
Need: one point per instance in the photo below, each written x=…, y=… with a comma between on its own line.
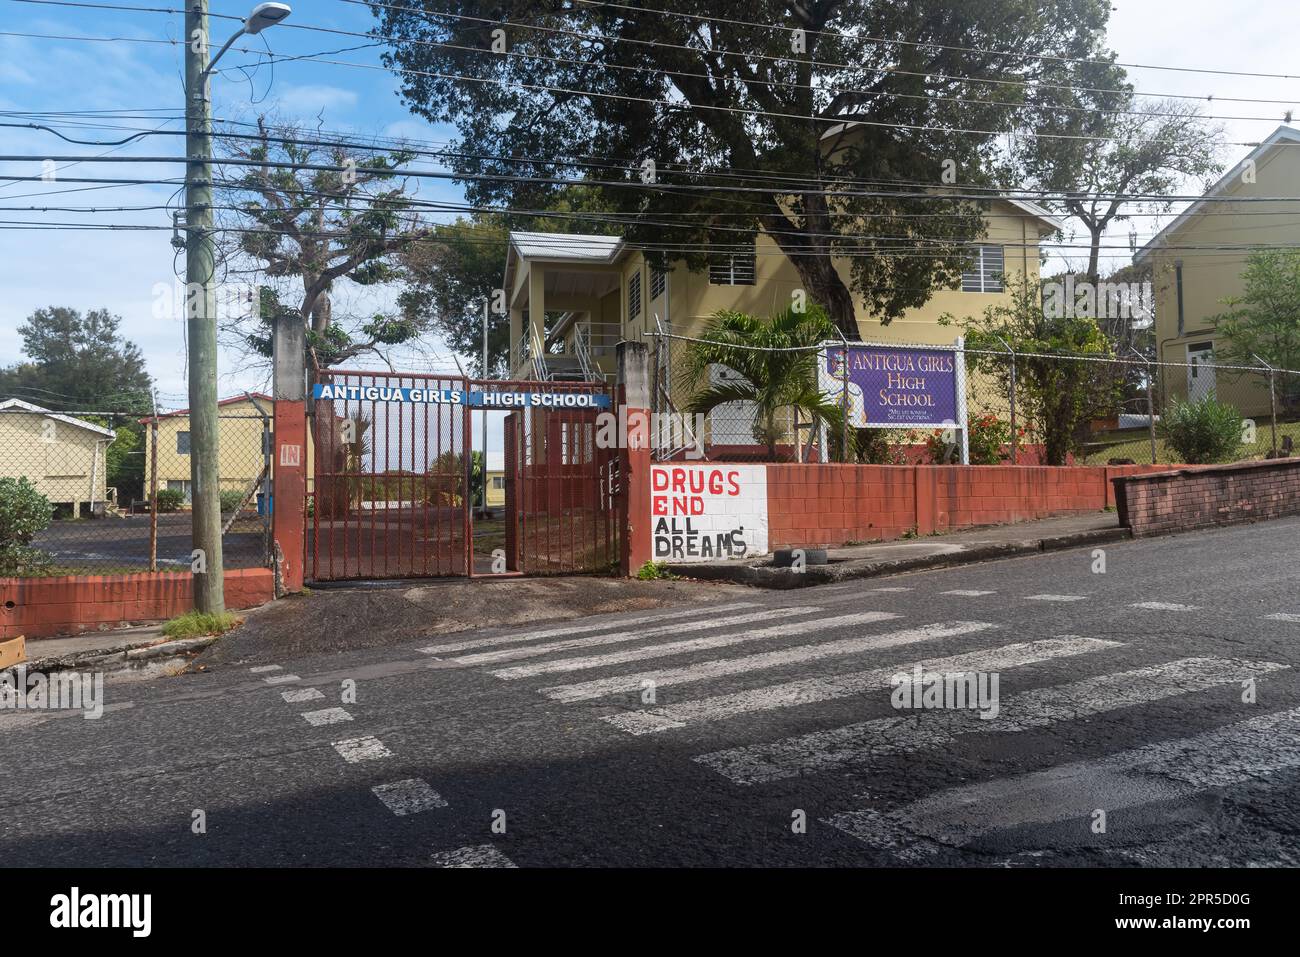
x=200, y=296
x=201, y=322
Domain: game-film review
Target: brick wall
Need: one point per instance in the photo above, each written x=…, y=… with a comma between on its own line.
x=43, y=607
x=1208, y=495
x=827, y=505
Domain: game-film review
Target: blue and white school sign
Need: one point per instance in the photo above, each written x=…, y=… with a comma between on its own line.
x=474, y=400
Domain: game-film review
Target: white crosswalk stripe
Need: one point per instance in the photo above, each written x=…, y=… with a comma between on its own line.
x=356, y=750
x=1055, y=597
x=1163, y=606
x=1282, y=617
x=695, y=644
x=474, y=855
x=769, y=659
x=809, y=690
x=408, y=797
x=527, y=636
x=533, y=651
x=968, y=593
x=1177, y=769
x=856, y=744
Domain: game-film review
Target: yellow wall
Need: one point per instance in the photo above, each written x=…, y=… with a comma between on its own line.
x=60, y=467
x=239, y=441
x=1212, y=275
x=496, y=497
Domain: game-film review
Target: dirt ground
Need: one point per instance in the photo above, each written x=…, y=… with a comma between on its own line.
x=340, y=619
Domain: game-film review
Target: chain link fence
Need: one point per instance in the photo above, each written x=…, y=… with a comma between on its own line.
x=110, y=493
x=1028, y=408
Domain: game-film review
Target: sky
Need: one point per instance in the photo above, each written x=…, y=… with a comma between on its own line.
x=124, y=271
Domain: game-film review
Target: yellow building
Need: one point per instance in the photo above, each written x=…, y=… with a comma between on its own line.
x=64, y=457
x=239, y=437
x=573, y=298
x=1193, y=272
x=495, y=476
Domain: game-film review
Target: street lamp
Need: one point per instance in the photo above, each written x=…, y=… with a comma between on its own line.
x=201, y=325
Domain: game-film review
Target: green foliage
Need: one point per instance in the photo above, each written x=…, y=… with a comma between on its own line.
x=1202, y=432
x=310, y=230
x=1265, y=320
x=24, y=512
x=195, y=624
x=231, y=499
x=170, y=499
x=1057, y=396
x=741, y=112
x=655, y=571
x=78, y=362
x=779, y=370
x=989, y=442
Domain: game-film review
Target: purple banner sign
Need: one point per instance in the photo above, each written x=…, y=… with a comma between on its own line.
x=896, y=386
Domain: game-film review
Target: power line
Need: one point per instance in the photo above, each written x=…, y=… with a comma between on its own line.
x=859, y=38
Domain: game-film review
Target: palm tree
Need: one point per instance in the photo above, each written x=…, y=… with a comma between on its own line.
x=777, y=360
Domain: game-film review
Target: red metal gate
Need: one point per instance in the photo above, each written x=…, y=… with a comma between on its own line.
x=561, y=487
x=387, y=497
x=389, y=488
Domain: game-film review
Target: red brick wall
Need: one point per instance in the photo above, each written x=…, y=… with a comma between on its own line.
x=42, y=607
x=1209, y=496
x=827, y=505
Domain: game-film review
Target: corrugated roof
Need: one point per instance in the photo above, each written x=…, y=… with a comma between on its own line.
x=566, y=246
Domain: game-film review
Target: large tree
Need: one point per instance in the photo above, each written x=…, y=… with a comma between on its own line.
x=311, y=217
x=817, y=122
x=78, y=361
x=1107, y=145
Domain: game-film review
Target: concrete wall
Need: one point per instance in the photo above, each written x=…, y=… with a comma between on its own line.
x=1207, y=496
x=829, y=505
x=70, y=605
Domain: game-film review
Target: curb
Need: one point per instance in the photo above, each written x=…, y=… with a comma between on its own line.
x=115, y=660
x=766, y=576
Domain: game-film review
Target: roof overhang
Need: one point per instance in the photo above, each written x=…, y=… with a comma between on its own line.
x=70, y=420
x=1283, y=134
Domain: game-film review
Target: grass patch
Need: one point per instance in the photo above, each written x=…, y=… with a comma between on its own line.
x=655, y=571
x=1136, y=444
x=194, y=624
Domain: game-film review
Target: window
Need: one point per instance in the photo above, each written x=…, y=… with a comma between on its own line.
x=658, y=279
x=498, y=482
x=182, y=443
x=732, y=269
x=176, y=485
x=986, y=274
x=634, y=296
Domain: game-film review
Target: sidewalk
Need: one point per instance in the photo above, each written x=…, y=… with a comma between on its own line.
x=106, y=650
x=933, y=551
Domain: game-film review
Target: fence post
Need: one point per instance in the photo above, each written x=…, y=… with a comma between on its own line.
x=153, y=487
x=291, y=452
x=1014, y=438
x=635, y=548
x=1151, y=407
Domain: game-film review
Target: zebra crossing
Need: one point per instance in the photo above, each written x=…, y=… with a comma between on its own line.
x=653, y=681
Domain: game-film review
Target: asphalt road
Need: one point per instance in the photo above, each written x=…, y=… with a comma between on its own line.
x=1121, y=737
x=116, y=543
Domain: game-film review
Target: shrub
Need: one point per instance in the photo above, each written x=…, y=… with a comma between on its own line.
x=1202, y=432
x=170, y=500
x=24, y=512
x=231, y=499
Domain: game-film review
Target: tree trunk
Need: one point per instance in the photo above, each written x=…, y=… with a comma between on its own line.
x=812, y=260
